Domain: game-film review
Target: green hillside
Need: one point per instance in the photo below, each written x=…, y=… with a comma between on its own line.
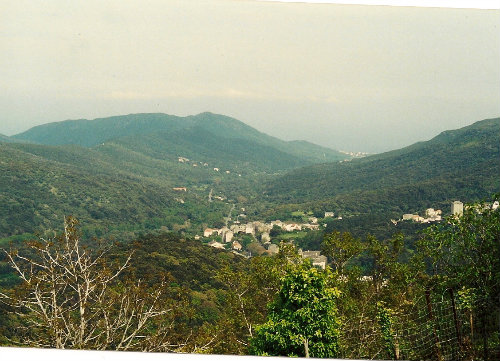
x=457, y=164
x=40, y=184
x=205, y=130
x=126, y=183
x=197, y=144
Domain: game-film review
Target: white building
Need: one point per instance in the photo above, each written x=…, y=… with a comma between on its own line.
x=292, y=227
x=317, y=259
x=408, y=217
x=208, y=232
x=457, y=208
x=228, y=236
x=249, y=229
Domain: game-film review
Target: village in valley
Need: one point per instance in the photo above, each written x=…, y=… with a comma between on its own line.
x=258, y=237
x=254, y=238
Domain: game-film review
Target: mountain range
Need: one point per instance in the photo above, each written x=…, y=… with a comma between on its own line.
x=207, y=136
x=128, y=173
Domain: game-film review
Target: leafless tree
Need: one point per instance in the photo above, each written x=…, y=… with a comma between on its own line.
x=74, y=297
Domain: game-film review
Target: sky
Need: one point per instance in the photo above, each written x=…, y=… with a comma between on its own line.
x=350, y=77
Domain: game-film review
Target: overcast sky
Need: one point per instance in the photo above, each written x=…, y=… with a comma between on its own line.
x=351, y=77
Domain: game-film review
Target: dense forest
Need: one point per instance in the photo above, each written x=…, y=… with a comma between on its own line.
x=166, y=293
x=122, y=183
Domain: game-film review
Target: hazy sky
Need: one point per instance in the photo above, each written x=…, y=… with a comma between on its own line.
x=351, y=77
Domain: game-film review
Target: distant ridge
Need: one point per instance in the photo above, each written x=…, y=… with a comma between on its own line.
x=456, y=163
x=90, y=133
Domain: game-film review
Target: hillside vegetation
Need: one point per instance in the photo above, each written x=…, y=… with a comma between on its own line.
x=204, y=132
x=457, y=164
x=125, y=183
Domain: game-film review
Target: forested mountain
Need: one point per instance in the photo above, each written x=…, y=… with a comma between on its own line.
x=124, y=178
x=457, y=164
x=119, y=172
x=206, y=135
x=136, y=186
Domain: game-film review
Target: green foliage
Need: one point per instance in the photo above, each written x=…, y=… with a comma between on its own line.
x=72, y=296
x=464, y=253
x=340, y=248
x=303, y=320
x=385, y=320
x=459, y=164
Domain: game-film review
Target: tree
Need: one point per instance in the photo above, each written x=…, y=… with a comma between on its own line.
x=341, y=248
x=249, y=289
x=303, y=319
x=72, y=297
x=464, y=254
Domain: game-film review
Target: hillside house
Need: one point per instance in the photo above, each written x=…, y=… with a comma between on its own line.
x=237, y=246
x=208, y=232
x=249, y=228
x=238, y=228
x=263, y=227
x=180, y=189
x=292, y=227
x=317, y=259
x=329, y=214
x=408, y=216
x=457, y=208
x=228, y=236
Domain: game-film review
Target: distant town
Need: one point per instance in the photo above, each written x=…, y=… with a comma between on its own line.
x=259, y=233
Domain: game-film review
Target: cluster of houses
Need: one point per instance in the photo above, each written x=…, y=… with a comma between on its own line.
x=431, y=215
x=253, y=229
x=316, y=258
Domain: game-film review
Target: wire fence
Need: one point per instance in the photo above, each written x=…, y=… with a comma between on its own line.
x=434, y=326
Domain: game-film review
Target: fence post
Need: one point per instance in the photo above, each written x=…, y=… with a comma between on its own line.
x=431, y=318
x=455, y=319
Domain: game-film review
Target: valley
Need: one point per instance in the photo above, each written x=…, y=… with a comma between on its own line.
x=129, y=175
x=212, y=217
